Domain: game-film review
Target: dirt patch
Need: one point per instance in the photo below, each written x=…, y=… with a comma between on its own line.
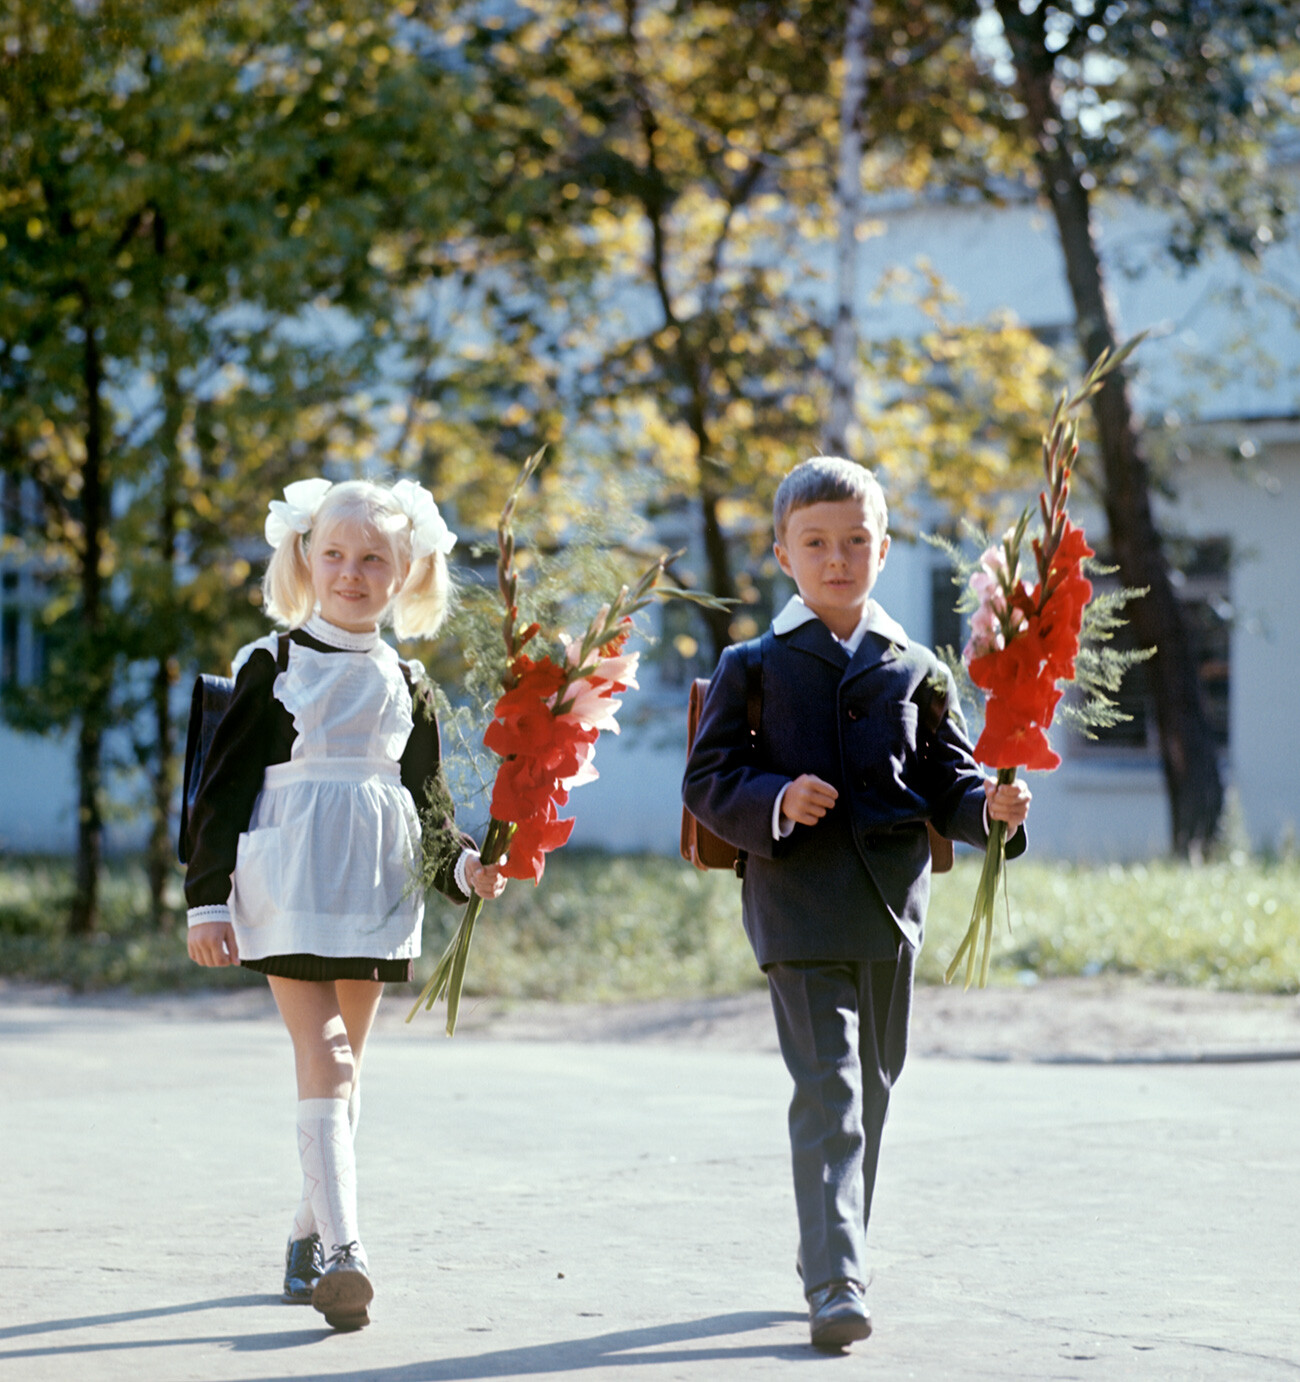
x=1057, y=1020
x=1103, y=1019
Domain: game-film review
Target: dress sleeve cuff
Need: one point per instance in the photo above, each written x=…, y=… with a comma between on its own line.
x=459, y=876
x=199, y=916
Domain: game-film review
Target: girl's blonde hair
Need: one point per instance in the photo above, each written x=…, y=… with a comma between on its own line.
x=419, y=607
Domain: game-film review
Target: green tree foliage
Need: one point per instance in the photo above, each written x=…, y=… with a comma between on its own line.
x=694, y=145
x=211, y=216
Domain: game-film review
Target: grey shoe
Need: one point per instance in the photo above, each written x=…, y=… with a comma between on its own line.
x=344, y=1290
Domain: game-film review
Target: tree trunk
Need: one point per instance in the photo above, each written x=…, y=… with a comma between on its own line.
x=691, y=358
x=163, y=767
x=162, y=777
x=1188, y=750
x=718, y=561
x=84, y=916
x=844, y=333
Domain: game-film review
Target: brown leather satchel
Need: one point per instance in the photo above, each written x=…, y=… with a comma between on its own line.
x=700, y=846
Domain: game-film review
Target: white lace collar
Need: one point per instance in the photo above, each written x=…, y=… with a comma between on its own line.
x=324, y=632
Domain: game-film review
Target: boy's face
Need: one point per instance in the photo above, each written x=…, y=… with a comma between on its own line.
x=834, y=555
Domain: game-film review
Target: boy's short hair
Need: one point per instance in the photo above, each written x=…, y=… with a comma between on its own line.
x=827, y=480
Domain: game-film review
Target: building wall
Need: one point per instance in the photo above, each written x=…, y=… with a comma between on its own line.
x=38, y=793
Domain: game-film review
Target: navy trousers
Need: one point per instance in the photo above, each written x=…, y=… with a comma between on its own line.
x=843, y=1034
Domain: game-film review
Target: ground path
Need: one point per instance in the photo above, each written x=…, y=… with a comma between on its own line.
x=1108, y=1191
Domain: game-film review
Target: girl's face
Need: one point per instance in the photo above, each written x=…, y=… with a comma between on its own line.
x=354, y=575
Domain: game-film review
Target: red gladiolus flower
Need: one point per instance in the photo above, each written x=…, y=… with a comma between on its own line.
x=1059, y=625
x=1071, y=550
x=522, y=717
x=532, y=841
x=1015, y=732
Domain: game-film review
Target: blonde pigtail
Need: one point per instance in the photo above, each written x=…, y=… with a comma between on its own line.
x=419, y=608
x=286, y=588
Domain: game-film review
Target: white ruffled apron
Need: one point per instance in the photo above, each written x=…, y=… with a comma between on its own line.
x=327, y=865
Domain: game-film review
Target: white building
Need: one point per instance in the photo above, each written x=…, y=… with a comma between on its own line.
x=1221, y=379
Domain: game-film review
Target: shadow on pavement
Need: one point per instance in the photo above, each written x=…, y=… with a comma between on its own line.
x=629, y=1348
x=19, y=1331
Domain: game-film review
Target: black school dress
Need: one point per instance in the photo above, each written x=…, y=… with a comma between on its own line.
x=306, y=832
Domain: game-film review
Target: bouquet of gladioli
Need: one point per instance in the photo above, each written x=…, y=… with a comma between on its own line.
x=1025, y=641
x=544, y=728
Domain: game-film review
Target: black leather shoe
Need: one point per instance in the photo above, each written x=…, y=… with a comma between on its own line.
x=304, y=1261
x=344, y=1290
x=837, y=1315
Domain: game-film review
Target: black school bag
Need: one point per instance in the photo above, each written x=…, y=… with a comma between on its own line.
x=208, y=704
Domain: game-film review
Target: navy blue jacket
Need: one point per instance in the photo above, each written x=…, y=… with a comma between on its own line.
x=855, y=884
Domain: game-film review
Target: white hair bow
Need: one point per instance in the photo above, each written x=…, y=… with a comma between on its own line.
x=296, y=511
x=429, y=531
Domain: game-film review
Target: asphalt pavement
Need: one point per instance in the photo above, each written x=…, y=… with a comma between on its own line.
x=595, y=1209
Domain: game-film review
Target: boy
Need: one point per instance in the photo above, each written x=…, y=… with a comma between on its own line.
x=860, y=742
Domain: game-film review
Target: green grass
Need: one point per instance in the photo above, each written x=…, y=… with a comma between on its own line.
x=1229, y=924
x=125, y=952
x=606, y=927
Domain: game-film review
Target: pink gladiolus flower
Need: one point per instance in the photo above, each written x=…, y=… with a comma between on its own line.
x=586, y=770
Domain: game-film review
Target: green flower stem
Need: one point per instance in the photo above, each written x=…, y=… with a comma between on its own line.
x=980, y=931
x=448, y=976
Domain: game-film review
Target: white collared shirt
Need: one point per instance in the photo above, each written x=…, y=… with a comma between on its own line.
x=796, y=613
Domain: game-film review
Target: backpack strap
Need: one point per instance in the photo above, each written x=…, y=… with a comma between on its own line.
x=751, y=654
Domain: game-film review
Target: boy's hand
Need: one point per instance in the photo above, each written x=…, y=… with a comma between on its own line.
x=1009, y=802
x=807, y=799
x=212, y=943
x=485, y=879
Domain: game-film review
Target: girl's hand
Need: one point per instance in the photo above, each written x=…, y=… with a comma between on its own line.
x=486, y=880
x=213, y=943
x=1008, y=803
x=807, y=799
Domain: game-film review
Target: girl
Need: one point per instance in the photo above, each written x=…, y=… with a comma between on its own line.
x=305, y=832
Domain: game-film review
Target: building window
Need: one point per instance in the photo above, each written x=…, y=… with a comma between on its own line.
x=947, y=626
x=22, y=591
x=9, y=631
x=1201, y=574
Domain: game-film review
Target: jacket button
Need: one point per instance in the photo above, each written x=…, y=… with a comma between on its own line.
x=854, y=714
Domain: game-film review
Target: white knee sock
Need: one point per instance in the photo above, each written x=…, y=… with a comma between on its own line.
x=329, y=1171
x=304, y=1219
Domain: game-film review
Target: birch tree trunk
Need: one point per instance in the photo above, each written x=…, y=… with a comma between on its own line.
x=844, y=333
